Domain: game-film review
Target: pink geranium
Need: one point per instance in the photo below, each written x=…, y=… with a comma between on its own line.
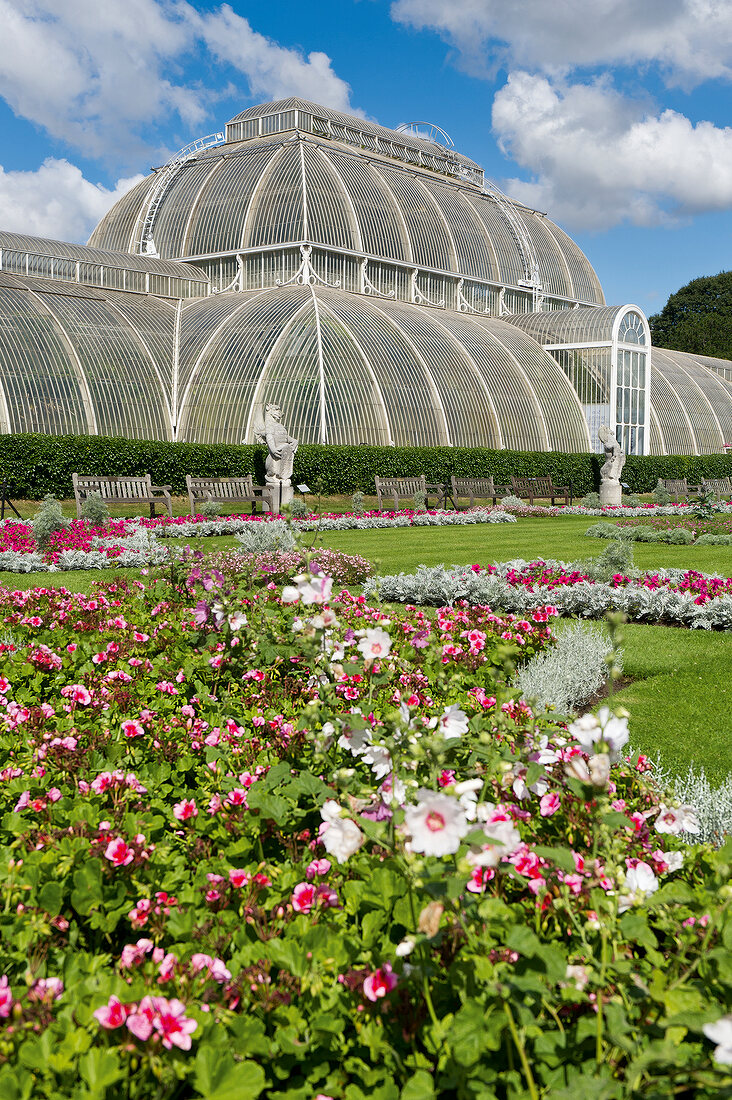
x=173, y=1025
x=303, y=897
x=549, y=804
x=119, y=853
x=185, y=810
x=6, y=997
x=133, y=728
x=140, y=1021
x=113, y=1014
x=380, y=982
x=238, y=878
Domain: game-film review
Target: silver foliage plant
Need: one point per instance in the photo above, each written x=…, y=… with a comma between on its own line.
x=257, y=538
x=568, y=675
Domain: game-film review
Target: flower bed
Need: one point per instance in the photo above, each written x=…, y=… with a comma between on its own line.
x=679, y=530
x=289, y=847
x=686, y=598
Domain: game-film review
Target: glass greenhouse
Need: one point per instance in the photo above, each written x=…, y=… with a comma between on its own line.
x=370, y=281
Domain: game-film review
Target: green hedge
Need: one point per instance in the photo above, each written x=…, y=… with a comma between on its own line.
x=33, y=465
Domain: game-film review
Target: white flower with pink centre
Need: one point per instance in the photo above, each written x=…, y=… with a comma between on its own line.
x=676, y=819
x=375, y=643
x=453, y=722
x=603, y=727
x=436, y=825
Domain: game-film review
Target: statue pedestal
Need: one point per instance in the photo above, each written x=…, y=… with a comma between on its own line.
x=611, y=493
x=281, y=493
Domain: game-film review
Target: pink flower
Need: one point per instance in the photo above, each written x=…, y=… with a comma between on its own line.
x=54, y=794
x=238, y=878
x=78, y=694
x=237, y=797
x=46, y=989
x=185, y=810
x=132, y=728
x=318, y=867
x=113, y=1014
x=6, y=997
x=174, y=1026
x=140, y=1022
x=119, y=853
x=549, y=804
x=381, y=982
x=303, y=897
x=166, y=969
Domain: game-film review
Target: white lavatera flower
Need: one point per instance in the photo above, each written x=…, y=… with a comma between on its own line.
x=467, y=794
x=375, y=644
x=342, y=837
x=393, y=790
x=237, y=619
x=504, y=839
x=436, y=825
x=379, y=760
x=640, y=881
x=677, y=819
x=589, y=729
x=453, y=722
x=720, y=1032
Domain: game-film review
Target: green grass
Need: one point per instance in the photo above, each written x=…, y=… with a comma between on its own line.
x=680, y=698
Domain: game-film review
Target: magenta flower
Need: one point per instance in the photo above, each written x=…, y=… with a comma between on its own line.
x=46, y=989
x=119, y=853
x=549, y=804
x=238, y=878
x=379, y=983
x=140, y=1022
x=131, y=728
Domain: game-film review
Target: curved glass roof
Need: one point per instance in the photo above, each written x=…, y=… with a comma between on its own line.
x=282, y=190
x=691, y=404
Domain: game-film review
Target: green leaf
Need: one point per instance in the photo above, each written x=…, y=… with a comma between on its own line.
x=219, y=1077
x=523, y=940
x=419, y=1087
x=562, y=857
x=271, y=806
x=100, y=1068
x=51, y=898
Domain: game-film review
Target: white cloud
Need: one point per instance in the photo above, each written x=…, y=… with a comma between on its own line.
x=103, y=76
x=691, y=40
x=55, y=201
x=599, y=159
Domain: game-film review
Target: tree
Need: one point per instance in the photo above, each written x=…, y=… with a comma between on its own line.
x=697, y=318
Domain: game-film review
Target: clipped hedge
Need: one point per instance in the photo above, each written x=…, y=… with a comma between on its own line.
x=33, y=465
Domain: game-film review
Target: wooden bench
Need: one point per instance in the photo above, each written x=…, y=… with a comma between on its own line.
x=477, y=488
x=720, y=486
x=540, y=488
x=227, y=490
x=122, y=490
x=677, y=487
x=400, y=488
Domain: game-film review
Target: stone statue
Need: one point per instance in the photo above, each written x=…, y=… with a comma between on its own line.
x=278, y=464
x=610, y=488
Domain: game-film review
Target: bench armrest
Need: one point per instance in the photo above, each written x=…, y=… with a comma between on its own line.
x=161, y=488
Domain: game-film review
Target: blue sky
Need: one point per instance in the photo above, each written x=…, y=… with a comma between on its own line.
x=610, y=115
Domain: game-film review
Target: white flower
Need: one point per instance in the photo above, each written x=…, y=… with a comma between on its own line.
x=379, y=759
x=341, y=836
x=467, y=793
x=576, y=768
x=393, y=790
x=375, y=643
x=599, y=766
x=589, y=729
x=675, y=820
x=406, y=947
x=453, y=722
x=313, y=589
x=290, y=594
x=237, y=619
x=578, y=975
x=674, y=861
x=436, y=824
x=355, y=740
x=640, y=881
x=504, y=837
x=720, y=1032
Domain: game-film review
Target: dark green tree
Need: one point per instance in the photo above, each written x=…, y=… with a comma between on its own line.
x=697, y=318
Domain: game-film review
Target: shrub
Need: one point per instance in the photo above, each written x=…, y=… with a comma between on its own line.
x=590, y=500
x=571, y=673
x=47, y=521
x=209, y=508
x=710, y=539
x=94, y=510
x=603, y=530
x=357, y=503
x=660, y=494
x=420, y=501
x=258, y=537
x=297, y=508
x=678, y=536
x=512, y=501
x=616, y=558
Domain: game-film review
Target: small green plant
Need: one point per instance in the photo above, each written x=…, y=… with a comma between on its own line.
x=420, y=501
x=590, y=500
x=357, y=502
x=94, y=510
x=661, y=494
x=209, y=508
x=632, y=500
x=617, y=557
x=47, y=521
x=707, y=505
x=298, y=507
